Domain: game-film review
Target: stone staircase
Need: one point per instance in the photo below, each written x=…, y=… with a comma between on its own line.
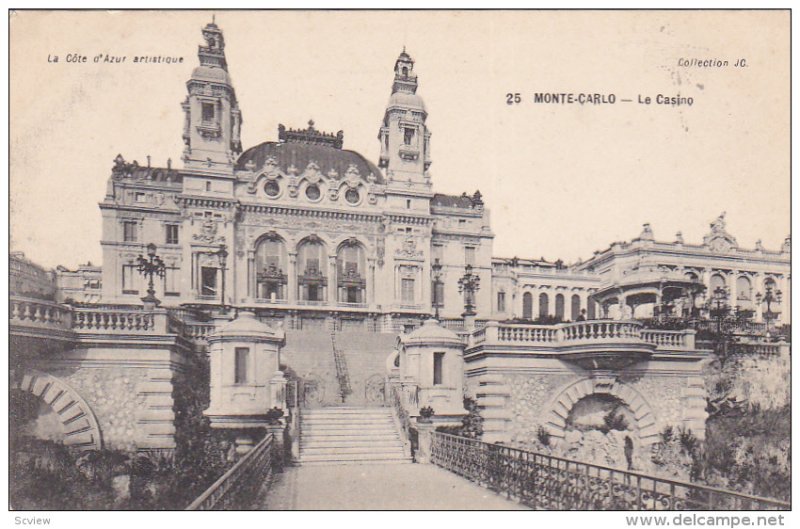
x=350, y=436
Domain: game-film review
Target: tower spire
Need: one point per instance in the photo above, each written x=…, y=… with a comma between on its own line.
x=404, y=136
x=213, y=120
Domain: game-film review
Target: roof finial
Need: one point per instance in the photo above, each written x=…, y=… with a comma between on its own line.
x=213, y=18
x=310, y=124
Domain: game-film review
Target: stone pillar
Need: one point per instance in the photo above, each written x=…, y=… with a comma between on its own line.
x=370, y=301
x=758, y=287
x=733, y=294
x=425, y=443
x=292, y=278
x=333, y=290
x=252, y=286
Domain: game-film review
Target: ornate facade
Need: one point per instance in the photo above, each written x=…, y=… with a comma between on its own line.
x=309, y=228
x=302, y=228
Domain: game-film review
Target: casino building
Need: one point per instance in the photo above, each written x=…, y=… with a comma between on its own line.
x=304, y=231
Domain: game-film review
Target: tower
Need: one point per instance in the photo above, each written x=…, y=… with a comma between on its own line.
x=404, y=137
x=212, y=124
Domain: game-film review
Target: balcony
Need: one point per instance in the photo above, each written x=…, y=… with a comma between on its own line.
x=594, y=344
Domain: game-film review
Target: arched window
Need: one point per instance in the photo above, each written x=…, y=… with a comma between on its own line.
x=544, y=305
x=560, y=307
x=590, y=309
x=527, y=306
x=351, y=274
x=270, y=263
x=575, y=310
x=717, y=281
x=744, y=290
x=311, y=270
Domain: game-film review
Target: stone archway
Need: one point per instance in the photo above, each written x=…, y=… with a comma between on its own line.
x=561, y=405
x=75, y=418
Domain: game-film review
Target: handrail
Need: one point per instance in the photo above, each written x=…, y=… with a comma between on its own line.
x=237, y=487
x=342, y=375
x=555, y=483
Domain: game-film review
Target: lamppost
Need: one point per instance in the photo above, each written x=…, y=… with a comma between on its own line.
x=468, y=284
x=719, y=306
x=769, y=298
x=436, y=268
x=222, y=255
x=152, y=266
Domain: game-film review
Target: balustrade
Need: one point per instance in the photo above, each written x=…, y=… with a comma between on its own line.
x=101, y=320
x=579, y=333
x=238, y=487
x=26, y=311
x=552, y=483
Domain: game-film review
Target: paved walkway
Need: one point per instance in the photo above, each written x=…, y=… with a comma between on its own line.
x=378, y=487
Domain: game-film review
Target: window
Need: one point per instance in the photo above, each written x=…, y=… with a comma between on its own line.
x=544, y=305
x=409, y=229
x=501, y=301
x=129, y=279
x=172, y=281
x=208, y=188
x=407, y=291
x=575, y=312
x=438, y=293
x=408, y=203
x=408, y=136
x=527, y=306
x=314, y=293
x=240, y=369
x=438, y=253
x=129, y=231
x=208, y=112
x=208, y=276
x=469, y=255
x=352, y=196
x=272, y=189
x=560, y=307
x=141, y=197
x=172, y=233
x=312, y=192
x=438, y=368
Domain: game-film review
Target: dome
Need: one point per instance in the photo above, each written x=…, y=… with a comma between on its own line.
x=431, y=331
x=214, y=75
x=245, y=325
x=407, y=99
x=300, y=154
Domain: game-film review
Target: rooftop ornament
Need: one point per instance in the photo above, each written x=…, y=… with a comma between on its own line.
x=311, y=136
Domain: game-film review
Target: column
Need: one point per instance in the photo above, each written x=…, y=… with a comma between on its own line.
x=333, y=291
x=292, y=279
x=370, y=282
x=252, y=286
x=732, y=299
x=758, y=288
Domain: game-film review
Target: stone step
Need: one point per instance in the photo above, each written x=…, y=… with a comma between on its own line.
x=354, y=450
x=354, y=458
x=331, y=462
x=344, y=410
x=378, y=421
x=351, y=443
x=344, y=427
x=349, y=437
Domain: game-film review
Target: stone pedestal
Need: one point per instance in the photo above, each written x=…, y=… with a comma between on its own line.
x=425, y=440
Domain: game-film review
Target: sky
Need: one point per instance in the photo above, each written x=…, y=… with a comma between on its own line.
x=561, y=181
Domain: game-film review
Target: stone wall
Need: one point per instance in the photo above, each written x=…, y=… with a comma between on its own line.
x=114, y=396
x=529, y=395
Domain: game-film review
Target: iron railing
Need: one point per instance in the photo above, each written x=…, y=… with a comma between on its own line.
x=237, y=489
x=552, y=483
x=342, y=374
